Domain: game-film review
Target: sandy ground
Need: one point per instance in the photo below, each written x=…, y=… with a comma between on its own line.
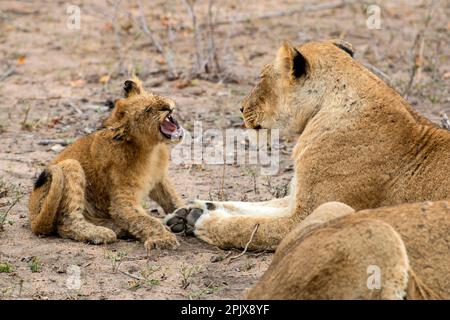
x=56, y=84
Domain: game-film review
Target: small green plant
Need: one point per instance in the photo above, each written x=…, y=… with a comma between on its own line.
x=434, y=99
x=148, y=273
x=250, y=172
x=197, y=294
x=248, y=266
x=187, y=272
x=147, y=279
x=3, y=216
x=154, y=282
x=35, y=265
x=276, y=191
x=116, y=259
x=15, y=191
x=5, y=267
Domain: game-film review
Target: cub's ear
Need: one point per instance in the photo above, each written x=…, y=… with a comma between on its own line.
x=132, y=87
x=344, y=45
x=290, y=63
x=117, y=114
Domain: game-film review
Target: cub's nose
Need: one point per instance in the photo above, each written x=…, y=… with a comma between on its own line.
x=242, y=109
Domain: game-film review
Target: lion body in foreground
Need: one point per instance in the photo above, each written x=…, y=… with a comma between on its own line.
x=360, y=144
x=399, y=252
x=93, y=190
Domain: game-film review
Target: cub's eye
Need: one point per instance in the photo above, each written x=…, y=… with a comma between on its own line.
x=166, y=109
x=147, y=109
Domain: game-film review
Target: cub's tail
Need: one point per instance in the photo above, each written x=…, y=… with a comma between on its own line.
x=45, y=199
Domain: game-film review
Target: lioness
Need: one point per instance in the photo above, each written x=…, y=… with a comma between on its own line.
x=399, y=252
x=360, y=143
x=93, y=190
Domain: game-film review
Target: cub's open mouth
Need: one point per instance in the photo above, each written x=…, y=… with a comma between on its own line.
x=171, y=129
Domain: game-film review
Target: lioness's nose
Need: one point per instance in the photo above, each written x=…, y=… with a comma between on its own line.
x=242, y=109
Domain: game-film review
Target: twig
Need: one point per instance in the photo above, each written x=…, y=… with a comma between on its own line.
x=147, y=30
x=195, y=29
x=167, y=54
x=246, y=246
x=45, y=98
x=117, y=41
x=381, y=75
x=222, y=183
x=305, y=8
x=3, y=217
x=212, y=56
x=131, y=276
x=445, y=122
x=378, y=72
x=75, y=108
x=8, y=73
x=46, y=142
x=173, y=74
x=419, y=40
x=257, y=255
x=25, y=118
x=227, y=55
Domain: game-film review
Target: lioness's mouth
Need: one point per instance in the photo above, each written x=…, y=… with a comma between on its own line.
x=171, y=129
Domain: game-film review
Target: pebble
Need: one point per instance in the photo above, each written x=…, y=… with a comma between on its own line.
x=57, y=148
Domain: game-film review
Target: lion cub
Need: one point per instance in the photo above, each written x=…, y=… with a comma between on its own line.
x=93, y=190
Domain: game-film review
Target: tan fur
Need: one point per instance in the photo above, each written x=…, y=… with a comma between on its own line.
x=409, y=243
x=360, y=143
x=93, y=190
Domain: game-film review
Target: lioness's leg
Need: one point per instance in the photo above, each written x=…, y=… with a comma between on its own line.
x=128, y=214
x=226, y=229
x=230, y=224
x=71, y=222
x=272, y=207
x=166, y=196
x=351, y=258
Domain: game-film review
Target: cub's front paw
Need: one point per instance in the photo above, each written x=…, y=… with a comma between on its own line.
x=101, y=235
x=184, y=219
x=164, y=241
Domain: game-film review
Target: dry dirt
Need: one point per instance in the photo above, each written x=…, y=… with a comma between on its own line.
x=56, y=83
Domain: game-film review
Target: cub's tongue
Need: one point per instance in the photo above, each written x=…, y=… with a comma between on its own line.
x=168, y=127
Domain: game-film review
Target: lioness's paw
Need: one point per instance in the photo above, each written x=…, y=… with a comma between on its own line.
x=165, y=241
x=184, y=219
x=101, y=235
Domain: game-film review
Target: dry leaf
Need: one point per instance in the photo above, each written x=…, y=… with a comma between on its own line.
x=104, y=79
x=77, y=83
x=21, y=60
x=126, y=26
x=161, y=61
x=183, y=83
x=107, y=26
x=419, y=61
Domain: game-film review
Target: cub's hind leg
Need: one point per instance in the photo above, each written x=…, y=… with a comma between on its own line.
x=71, y=222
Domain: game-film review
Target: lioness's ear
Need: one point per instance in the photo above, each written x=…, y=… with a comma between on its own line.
x=344, y=45
x=290, y=63
x=132, y=87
